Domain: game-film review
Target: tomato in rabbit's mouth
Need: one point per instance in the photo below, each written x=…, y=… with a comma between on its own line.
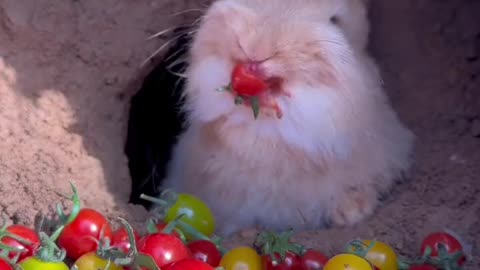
x=251, y=87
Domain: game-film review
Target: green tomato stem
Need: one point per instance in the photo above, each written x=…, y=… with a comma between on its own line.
x=255, y=106
x=106, y=252
x=57, y=233
x=4, y=247
x=49, y=251
x=152, y=226
x=181, y=234
x=196, y=235
x=359, y=248
x=133, y=258
x=154, y=200
x=5, y=251
x=172, y=226
x=167, y=199
x=402, y=265
x=75, y=209
x=4, y=233
x=12, y=262
x=15, y=237
x=131, y=236
x=190, y=230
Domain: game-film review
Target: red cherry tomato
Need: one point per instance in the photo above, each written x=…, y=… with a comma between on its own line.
x=313, y=260
x=4, y=265
x=189, y=264
x=120, y=239
x=422, y=267
x=451, y=244
x=25, y=233
x=76, y=237
x=163, y=248
x=205, y=251
x=292, y=261
x=245, y=82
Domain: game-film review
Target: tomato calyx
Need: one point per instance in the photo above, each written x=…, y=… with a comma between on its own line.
x=443, y=250
x=114, y=254
x=440, y=250
x=276, y=246
x=239, y=99
x=359, y=248
x=444, y=259
x=43, y=223
x=48, y=250
x=133, y=258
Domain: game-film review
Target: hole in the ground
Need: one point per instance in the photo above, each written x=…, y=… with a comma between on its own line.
x=155, y=121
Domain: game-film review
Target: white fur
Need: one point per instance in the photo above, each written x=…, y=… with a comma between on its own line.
x=337, y=148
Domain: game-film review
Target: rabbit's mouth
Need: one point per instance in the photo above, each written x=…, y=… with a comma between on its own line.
x=251, y=87
x=267, y=103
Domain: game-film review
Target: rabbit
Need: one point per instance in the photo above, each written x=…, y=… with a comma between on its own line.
x=336, y=148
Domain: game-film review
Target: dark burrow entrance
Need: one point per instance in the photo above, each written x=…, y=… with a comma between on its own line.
x=155, y=121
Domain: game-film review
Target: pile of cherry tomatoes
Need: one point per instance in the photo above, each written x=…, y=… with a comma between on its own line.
x=181, y=236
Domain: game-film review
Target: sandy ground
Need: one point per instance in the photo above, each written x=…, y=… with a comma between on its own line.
x=67, y=70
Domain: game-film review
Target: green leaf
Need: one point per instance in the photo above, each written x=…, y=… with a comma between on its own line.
x=145, y=261
x=255, y=106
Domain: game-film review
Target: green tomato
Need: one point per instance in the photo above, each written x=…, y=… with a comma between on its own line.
x=196, y=214
x=33, y=263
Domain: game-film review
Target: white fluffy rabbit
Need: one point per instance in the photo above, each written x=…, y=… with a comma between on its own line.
x=338, y=144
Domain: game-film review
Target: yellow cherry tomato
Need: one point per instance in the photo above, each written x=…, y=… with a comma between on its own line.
x=34, y=263
x=241, y=258
x=91, y=261
x=346, y=261
x=380, y=254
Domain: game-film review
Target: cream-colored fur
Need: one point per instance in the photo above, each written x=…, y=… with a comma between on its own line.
x=339, y=144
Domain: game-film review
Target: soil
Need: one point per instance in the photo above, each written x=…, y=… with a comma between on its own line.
x=67, y=70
